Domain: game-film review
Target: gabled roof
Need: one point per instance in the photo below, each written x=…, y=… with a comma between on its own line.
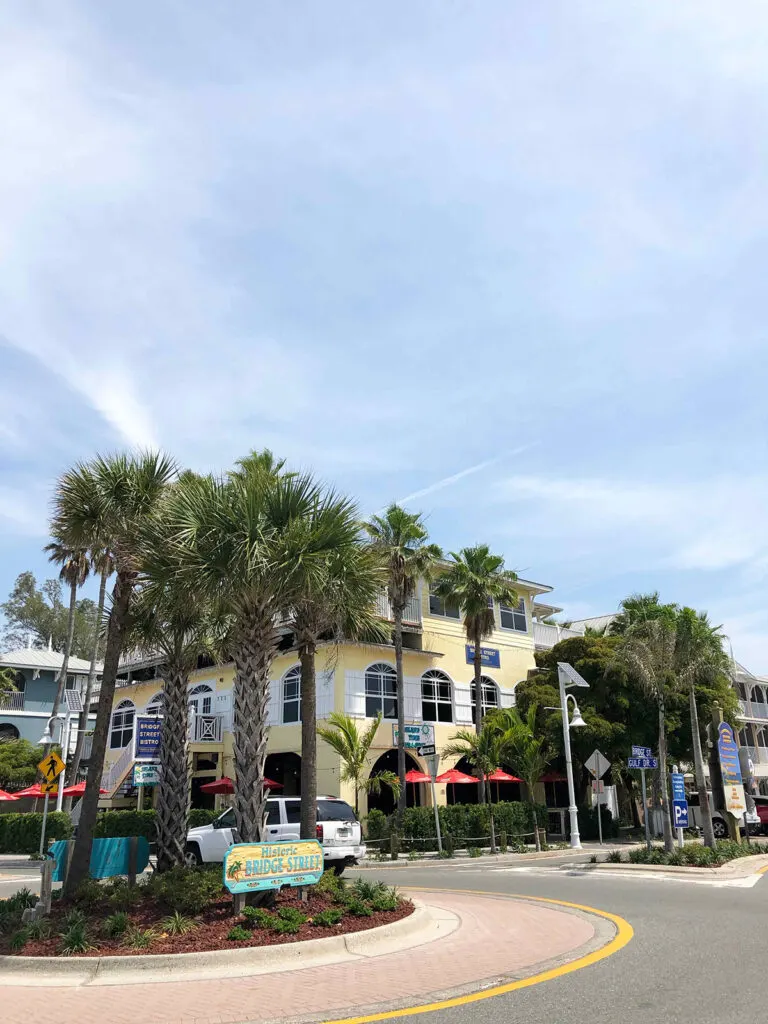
x=596, y=622
x=31, y=657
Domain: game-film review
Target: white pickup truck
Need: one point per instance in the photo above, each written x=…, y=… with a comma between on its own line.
x=338, y=830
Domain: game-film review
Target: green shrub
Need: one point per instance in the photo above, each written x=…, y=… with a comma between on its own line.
x=20, y=833
x=639, y=856
x=376, y=826
x=327, y=918
x=449, y=847
x=614, y=857
x=291, y=915
x=190, y=891
x=238, y=934
x=19, y=939
x=201, y=816
x=116, y=824
x=123, y=896
x=331, y=884
x=368, y=890
x=474, y=851
x=136, y=938
x=39, y=929
x=90, y=894
x=656, y=856
x=20, y=900
x=258, y=917
x=116, y=924
x=588, y=823
x=357, y=907
x=503, y=842
x=386, y=901
x=74, y=939
x=177, y=924
x=593, y=859
x=676, y=858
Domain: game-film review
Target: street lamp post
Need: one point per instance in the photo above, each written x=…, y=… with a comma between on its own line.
x=568, y=677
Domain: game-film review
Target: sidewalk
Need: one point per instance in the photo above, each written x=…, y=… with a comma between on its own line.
x=498, y=938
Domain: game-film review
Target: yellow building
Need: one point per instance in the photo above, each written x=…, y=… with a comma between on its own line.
x=356, y=678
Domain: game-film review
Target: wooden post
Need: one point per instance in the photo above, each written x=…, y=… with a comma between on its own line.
x=304, y=893
x=238, y=903
x=46, y=884
x=133, y=859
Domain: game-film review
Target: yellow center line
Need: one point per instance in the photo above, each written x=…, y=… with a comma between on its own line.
x=624, y=933
x=762, y=871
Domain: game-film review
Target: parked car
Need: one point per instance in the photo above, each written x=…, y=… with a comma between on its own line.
x=719, y=824
x=338, y=830
x=761, y=806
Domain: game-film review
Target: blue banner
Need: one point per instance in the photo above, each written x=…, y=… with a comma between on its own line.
x=147, y=736
x=489, y=656
x=729, y=755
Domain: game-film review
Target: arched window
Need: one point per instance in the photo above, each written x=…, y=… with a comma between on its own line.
x=156, y=706
x=489, y=691
x=380, y=691
x=8, y=732
x=762, y=736
x=201, y=699
x=758, y=695
x=121, y=733
x=292, y=695
x=436, y=702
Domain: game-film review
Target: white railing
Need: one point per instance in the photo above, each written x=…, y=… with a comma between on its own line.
x=112, y=775
x=411, y=612
x=206, y=728
x=13, y=701
x=545, y=634
x=752, y=709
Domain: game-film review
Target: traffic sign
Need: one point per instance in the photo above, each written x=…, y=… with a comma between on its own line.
x=426, y=751
x=677, y=780
x=51, y=766
x=49, y=787
x=641, y=751
x=679, y=814
x=597, y=764
x=644, y=763
x=433, y=764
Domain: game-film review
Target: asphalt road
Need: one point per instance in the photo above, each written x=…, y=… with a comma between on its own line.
x=697, y=956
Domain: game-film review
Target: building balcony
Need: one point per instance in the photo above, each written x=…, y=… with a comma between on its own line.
x=13, y=701
x=753, y=709
x=206, y=728
x=411, y=613
x=546, y=634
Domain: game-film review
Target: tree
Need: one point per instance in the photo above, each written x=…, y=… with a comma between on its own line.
x=475, y=579
x=106, y=503
x=74, y=572
x=339, y=602
x=102, y=563
x=353, y=748
x=400, y=539
x=38, y=614
x=639, y=608
x=485, y=751
x=18, y=763
x=524, y=751
x=253, y=543
x=8, y=680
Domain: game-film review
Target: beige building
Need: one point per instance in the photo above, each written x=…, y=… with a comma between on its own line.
x=356, y=678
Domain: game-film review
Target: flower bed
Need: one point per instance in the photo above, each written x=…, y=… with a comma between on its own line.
x=692, y=855
x=188, y=911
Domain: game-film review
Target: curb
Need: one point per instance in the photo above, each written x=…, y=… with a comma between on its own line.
x=424, y=925
x=500, y=858
x=739, y=868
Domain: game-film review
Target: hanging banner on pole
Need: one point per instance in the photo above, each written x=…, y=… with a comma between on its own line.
x=733, y=787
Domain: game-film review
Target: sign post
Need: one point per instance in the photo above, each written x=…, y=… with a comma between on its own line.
x=730, y=769
x=597, y=765
x=642, y=758
x=433, y=763
x=679, y=805
x=51, y=767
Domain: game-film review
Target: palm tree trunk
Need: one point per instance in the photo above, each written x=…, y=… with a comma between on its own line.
x=118, y=617
x=701, y=779
x=490, y=811
x=308, y=826
x=252, y=652
x=397, y=615
x=665, y=818
x=534, y=818
x=478, y=668
x=62, y=681
x=82, y=726
x=173, y=793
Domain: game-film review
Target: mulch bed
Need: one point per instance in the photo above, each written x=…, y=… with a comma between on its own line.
x=212, y=928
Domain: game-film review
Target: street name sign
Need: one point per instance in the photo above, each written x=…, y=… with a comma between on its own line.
x=426, y=751
x=597, y=764
x=643, y=763
x=641, y=751
x=252, y=866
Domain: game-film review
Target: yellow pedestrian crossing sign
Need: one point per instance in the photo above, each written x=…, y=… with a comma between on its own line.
x=51, y=766
x=49, y=787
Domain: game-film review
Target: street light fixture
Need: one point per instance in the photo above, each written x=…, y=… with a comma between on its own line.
x=568, y=677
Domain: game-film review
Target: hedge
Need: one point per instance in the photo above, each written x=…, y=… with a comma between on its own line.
x=142, y=823
x=20, y=833
x=464, y=822
x=588, y=823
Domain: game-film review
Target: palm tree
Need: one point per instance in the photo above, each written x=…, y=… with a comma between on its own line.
x=524, y=752
x=74, y=572
x=101, y=563
x=7, y=680
x=699, y=657
x=649, y=653
x=353, y=748
x=485, y=751
x=639, y=608
x=400, y=539
x=473, y=581
x=252, y=543
x=106, y=502
x=339, y=603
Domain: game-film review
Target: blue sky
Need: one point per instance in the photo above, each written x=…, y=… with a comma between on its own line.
x=397, y=243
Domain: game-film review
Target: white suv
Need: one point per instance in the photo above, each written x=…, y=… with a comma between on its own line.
x=337, y=829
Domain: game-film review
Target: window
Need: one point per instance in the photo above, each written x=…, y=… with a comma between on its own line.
x=436, y=704
x=380, y=691
x=273, y=812
x=334, y=810
x=293, y=811
x=437, y=606
x=490, y=694
x=156, y=705
x=121, y=733
x=201, y=699
x=514, y=618
x=292, y=695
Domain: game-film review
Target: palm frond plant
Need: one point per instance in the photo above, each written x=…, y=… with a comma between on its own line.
x=485, y=752
x=401, y=541
x=525, y=752
x=353, y=748
x=75, y=568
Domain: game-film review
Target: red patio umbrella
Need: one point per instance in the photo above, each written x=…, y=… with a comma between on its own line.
x=415, y=776
x=454, y=777
x=7, y=796
x=553, y=777
x=501, y=776
x=34, y=791
x=78, y=790
x=226, y=785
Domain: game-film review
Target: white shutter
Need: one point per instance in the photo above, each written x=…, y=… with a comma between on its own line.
x=273, y=708
x=324, y=684
x=506, y=698
x=412, y=690
x=354, y=694
x=462, y=701
x=222, y=705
